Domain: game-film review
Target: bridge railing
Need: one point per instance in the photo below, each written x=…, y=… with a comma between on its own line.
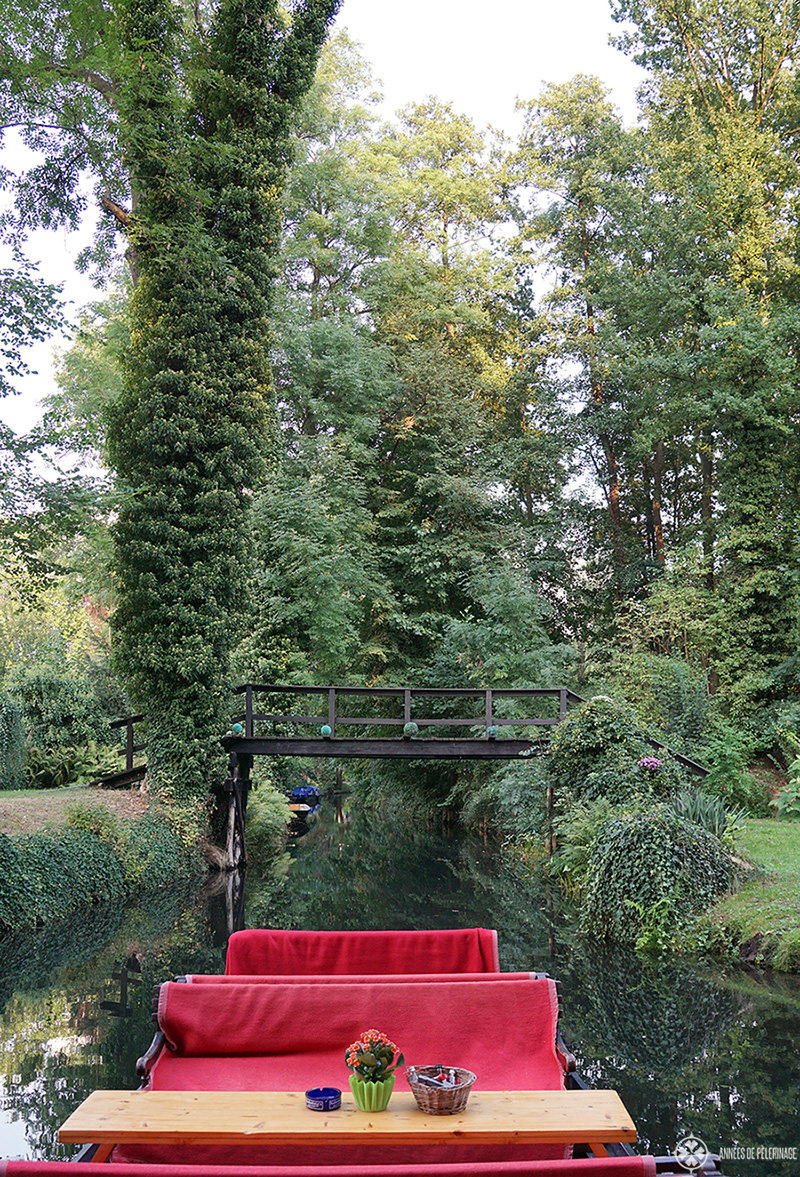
x=393, y=707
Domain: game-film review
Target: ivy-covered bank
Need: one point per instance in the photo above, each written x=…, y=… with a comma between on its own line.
x=95, y=859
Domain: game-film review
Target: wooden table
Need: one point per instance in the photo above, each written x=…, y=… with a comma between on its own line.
x=270, y=1117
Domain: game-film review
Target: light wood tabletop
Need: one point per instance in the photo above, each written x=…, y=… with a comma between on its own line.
x=270, y=1117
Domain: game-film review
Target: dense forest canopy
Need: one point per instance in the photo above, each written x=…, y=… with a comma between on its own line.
x=479, y=413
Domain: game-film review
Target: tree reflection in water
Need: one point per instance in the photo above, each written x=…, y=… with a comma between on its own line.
x=691, y=1048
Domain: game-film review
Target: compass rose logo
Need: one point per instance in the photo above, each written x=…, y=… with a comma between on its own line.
x=691, y=1152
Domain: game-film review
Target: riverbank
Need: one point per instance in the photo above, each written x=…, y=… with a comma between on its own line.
x=63, y=850
x=763, y=917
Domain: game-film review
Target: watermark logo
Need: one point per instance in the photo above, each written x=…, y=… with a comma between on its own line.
x=691, y=1153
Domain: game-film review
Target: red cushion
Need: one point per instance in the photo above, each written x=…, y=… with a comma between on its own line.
x=276, y=951
x=602, y=1167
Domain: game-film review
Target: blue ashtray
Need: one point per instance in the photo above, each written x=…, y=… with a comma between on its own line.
x=324, y=1099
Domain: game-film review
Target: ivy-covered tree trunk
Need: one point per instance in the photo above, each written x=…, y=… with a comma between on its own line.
x=193, y=432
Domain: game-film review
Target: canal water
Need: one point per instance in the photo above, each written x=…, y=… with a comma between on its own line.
x=697, y=1051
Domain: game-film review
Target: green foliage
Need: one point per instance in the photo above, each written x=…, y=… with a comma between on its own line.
x=592, y=735
x=194, y=428
x=711, y=813
x=152, y=851
x=727, y=751
x=787, y=803
x=17, y=890
x=268, y=817
x=578, y=829
x=67, y=868
x=70, y=764
x=95, y=819
x=29, y=311
x=58, y=708
x=649, y=874
x=95, y=859
x=12, y=744
x=668, y=693
x=511, y=802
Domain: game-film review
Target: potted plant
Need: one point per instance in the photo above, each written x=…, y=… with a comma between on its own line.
x=371, y=1058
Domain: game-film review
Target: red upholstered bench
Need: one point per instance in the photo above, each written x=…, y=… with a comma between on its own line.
x=289, y=1037
x=605, y=1167
x=280, y=951
x=279, y=1037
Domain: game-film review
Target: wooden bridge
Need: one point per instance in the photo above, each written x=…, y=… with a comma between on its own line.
x=431, y=722
x=408, y=723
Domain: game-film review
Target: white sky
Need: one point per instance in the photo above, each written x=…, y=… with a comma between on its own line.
x=480, y=57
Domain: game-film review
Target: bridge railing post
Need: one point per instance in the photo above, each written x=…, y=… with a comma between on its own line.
x=129, y=745
x=332, y=710
x=248, y=710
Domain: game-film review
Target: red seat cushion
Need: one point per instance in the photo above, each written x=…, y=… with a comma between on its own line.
x=450, y=950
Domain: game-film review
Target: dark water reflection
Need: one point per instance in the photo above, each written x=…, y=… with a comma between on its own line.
x=699, y=1050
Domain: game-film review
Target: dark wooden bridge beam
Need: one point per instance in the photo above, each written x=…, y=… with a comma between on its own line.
x=390, y=748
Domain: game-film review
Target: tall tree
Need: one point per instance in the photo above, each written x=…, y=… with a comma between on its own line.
x=195, y=427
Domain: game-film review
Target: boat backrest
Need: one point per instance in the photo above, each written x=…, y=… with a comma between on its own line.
x=279, y=1037
x=280, y=951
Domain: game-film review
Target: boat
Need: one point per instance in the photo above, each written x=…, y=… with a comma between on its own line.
x=305, y=801
x=437, y=992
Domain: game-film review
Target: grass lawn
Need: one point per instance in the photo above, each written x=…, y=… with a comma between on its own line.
x=29, y=811
x=765, y=913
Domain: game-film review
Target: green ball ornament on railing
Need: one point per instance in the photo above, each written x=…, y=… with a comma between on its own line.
x=237, y=729
x=326, y=730
x=491, y=733
x=409, y=730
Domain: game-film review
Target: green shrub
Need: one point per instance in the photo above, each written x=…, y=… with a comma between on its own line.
x=577, y=834
x=669, y=694
x=728, y=752
x=57, y=709
x=787, y=803
x=595, y=733
x=785, y=731
x=68, y=764
x=17, y=892
x=710, y=812
x=512, y=800
x=268, y=815
x=619, y=778
x=95, y=819
x=69, y=868
x=152, y=852
x=12, y=744
x=649, y=873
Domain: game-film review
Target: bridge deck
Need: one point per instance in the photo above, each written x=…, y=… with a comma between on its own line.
x=379, y=749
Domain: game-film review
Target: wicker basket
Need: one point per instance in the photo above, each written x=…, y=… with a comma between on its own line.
x=440, y=1101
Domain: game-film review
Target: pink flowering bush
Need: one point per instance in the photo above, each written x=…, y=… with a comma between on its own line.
x=651, y=763
x=372, y=1056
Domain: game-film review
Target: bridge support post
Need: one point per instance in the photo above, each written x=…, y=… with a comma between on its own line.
x=237, y=787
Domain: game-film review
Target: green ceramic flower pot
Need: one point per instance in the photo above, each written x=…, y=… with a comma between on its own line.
x=371, y=1097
